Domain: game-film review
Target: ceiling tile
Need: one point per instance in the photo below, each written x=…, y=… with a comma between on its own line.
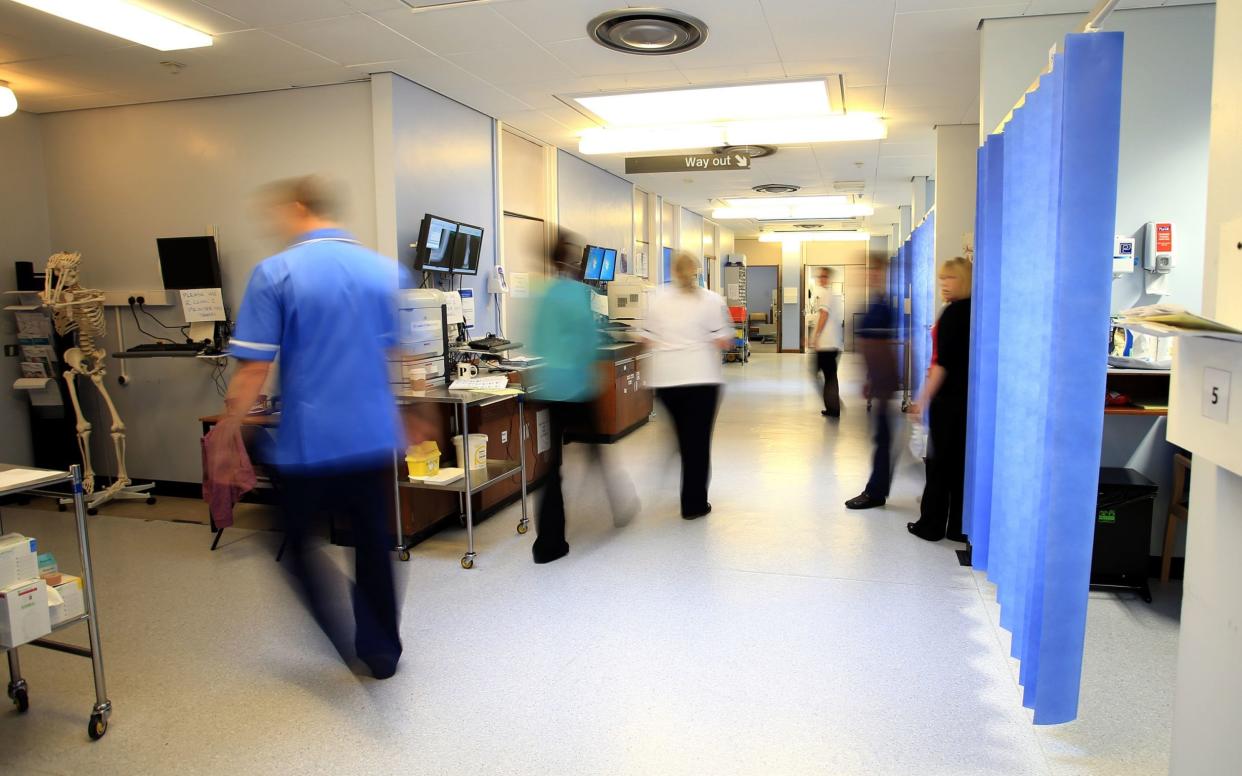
x=806, y=31
x=349, y=40
x=517, y=65
x=273, y=13
x=587, y=57
x=449, y=79
x=940, y=67
x=858, y=71
x=371, y=6
x=550, y=21
x=543, y=95
x=254, y=52
x=737, y=73
x=951, y=30
x=981, y=6
x=623, y=82
x=196, y=15
x=866, y=99
x=737, y=35
x=472, y=29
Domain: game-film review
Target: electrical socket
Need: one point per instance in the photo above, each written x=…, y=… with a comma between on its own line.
x=504, y=437
x=141, y=301
x=132, y=300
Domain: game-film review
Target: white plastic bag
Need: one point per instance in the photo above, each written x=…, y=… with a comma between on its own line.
x=918, y=439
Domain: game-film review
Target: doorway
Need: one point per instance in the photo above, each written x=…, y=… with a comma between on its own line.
x=763, y=306
x=849, y=280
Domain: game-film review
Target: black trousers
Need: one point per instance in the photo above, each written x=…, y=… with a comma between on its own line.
x=826, y=363
x=693, y=411
x=362, y=500
x=940, y=513
x=882, y=461
x=550, y=522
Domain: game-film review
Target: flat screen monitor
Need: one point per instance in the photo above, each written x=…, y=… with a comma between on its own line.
x=188, y=262
x=608, y=270
x=466, y=248
x=594, y=262
x=435, y=244
x=667, y=277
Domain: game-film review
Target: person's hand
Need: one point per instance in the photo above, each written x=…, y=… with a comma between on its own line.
x=223, y=460
x=914, y=409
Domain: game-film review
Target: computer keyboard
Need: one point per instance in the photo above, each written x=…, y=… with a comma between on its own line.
x=160, y=347
x=489, y=342
x=485, y=383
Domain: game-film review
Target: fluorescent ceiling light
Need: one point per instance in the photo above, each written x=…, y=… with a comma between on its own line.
x=823, y=129
x=825, y=236
x=125, y=21
x=791, y=208
x=749, y=102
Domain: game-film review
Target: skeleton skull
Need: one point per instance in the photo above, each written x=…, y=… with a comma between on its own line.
x=62, y=275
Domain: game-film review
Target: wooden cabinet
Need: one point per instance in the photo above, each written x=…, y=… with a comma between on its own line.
x=625, y=401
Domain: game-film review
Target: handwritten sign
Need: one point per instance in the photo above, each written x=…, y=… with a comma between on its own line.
x=202, y=304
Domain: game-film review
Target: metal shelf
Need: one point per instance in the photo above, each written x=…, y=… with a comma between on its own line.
x=497, y=469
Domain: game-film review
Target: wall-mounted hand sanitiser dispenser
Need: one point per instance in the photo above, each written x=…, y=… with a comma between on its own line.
x=1159, y=255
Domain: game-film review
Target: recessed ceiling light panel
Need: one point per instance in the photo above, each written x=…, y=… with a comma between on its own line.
x=791, y=208
x=647, y=31
x=820, y=236
x=125, y=20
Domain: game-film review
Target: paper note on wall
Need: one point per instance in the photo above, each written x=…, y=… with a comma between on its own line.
x=467, y=306
x=202, y=304
x=519, y=285
x=453, y=308
x=791, y=295
x=543, y=431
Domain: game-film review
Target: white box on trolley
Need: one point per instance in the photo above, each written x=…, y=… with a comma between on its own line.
x=19, y=559
x=24, y=613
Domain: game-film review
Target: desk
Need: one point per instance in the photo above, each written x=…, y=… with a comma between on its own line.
x=497, y=470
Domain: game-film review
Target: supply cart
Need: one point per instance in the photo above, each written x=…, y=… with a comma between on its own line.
x=740, y=348
x=23, y=480
x=473, y=481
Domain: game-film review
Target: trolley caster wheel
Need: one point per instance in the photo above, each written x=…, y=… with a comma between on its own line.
x=97, y=727
x=522, y=528
x=92, y=511
x=467, y=562
x=150, y=500
x=21, y=699
x=403, y=554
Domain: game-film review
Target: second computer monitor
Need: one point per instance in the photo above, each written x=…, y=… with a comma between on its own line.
x=466, y=248
x=594, y=262
x=608, y=269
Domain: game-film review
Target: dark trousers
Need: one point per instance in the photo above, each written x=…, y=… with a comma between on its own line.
x=550, y=522
x=940, y=513
x=882, y=462
x=826, y=362
x=362, y=501
x=693, y=411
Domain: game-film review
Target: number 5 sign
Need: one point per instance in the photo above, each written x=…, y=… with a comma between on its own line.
x=1216, y=394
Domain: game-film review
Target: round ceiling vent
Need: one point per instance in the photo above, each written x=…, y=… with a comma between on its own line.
x=776, y=188
x=810, y=226
x=753, y=151
x=648, y=31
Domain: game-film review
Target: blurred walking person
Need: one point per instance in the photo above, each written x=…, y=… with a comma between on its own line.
x=687, y=329
x=326, y=306
x=828, y=310
x=565, y=337
x=876, y=339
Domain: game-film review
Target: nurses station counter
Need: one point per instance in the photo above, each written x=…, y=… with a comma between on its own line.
x=625, y=402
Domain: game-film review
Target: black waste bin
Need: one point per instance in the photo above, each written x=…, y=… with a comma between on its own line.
x=1120, y=555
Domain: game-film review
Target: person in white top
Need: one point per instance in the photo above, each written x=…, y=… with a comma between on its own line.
x=828, y=308
x=687, y=328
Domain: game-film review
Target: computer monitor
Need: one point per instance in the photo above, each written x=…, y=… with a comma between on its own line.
x=594, y=262
x=188, y=262
x=466, y=247
x=608, y=269
x=435, y=244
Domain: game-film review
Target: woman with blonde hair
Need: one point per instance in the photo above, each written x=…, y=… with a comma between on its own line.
x=944, y=396
x=687, y=328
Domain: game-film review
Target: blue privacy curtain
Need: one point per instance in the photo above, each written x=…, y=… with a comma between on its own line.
x=1043, y=280
x=922, y=299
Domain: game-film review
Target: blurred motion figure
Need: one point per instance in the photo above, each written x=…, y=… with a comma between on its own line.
x=876, y=339
x=327, y=307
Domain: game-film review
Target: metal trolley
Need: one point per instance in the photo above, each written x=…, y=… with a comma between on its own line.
x=497, y=470
x=18, y=690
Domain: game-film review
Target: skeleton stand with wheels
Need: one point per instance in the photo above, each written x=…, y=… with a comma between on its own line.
x=81, y=311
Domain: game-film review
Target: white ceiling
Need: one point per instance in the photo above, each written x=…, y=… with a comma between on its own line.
x=914, y=61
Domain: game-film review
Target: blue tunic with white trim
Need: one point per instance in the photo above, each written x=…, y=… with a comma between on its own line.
x=328, y=307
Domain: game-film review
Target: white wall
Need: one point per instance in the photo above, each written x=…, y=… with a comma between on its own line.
x=442, y=162
x=594, y=203
x=118, y=178
x=692, y=233
x=1165, y=108
x=791, y=314
x=24, y=236
x=955, y=184
x=1207, y=712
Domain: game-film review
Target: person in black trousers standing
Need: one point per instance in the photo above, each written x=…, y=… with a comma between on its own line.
x=876, y=341
x=687, y=328
x=944, y=395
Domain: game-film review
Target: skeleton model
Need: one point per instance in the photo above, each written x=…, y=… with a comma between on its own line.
x=81, y=310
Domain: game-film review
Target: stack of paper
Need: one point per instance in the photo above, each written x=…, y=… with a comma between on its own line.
x=1168, y=320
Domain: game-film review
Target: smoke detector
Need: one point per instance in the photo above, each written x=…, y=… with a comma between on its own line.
x=776, y=188
x=647, y=31
x=752, y=151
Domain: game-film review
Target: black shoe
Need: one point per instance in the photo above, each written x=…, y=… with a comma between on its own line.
x=827, y=414
x=864, y=501
x=696, y=515
x=543, y=555
x=957, y=538
x=914, y=529
x=382, y=666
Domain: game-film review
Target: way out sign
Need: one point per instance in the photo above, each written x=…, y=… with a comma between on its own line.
x=687, y=163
